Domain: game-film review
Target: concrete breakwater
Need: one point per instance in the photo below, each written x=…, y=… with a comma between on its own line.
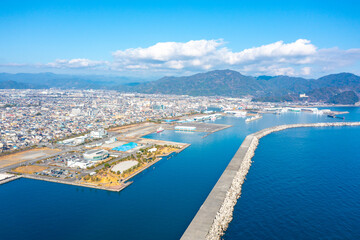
x=214, y=216
x=35, y=177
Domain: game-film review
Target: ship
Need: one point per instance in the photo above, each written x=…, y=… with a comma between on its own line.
x=159, y=130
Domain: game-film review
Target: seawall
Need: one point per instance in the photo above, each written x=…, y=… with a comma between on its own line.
x=214, y=216
x=47, y=179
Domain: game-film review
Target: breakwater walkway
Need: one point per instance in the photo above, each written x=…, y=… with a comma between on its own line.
x=214, y=216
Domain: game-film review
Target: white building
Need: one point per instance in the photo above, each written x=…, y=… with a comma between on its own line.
x=100, y=133
x=75, y=111
x=83, y=164
x=152, y=150
x=96, y=154
x=74, y=141
x=111, y=140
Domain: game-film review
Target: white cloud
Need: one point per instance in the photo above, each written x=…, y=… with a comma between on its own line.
x=278, y=58
x=306, y=71
x=76, y=63
x=167, y=51
x=278, y=51
x=209, y=54
x=272, y=70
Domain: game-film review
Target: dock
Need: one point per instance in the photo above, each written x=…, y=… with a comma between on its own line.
x=335, y=116
x=208, y=128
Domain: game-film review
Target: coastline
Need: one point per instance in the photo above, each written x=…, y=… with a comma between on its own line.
x=125, y=183
x=214, y=216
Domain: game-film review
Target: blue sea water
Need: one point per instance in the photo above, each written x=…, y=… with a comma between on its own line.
x=159, y=204
x=303, y=184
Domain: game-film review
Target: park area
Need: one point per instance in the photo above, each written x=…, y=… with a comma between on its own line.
x=115, y=173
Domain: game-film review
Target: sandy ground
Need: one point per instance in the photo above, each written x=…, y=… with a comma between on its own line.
x=29, y=169
x=25, y=156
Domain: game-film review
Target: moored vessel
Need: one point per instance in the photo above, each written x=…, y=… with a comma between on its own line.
x=159, y=130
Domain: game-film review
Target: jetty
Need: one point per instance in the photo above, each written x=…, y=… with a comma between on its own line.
x=214, y=216
x=256, y=117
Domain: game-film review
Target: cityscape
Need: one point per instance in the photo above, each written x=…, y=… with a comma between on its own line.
x=45, y=117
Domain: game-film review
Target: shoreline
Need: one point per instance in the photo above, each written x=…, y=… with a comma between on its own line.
x=125, y=182
x=76, y=184
x=160, y=157
x=215, y=214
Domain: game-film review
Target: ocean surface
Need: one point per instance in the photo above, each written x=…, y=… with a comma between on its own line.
x=163, y=199
x=303, y=184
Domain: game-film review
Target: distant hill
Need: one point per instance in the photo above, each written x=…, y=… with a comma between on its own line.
x=341, y=80
x=18, y=85
x=64, y=81
x=222, y=83
x=348, y=97
x=263, y=88
x=340, y=88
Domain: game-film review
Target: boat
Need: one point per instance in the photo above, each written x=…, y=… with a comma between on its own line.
x=159, y=130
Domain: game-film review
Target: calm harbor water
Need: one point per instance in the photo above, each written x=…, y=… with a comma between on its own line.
x=163, y=199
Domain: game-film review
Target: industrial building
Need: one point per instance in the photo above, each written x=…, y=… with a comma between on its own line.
x=96, y=154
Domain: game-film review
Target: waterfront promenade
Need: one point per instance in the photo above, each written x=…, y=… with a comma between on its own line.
x=215, y=214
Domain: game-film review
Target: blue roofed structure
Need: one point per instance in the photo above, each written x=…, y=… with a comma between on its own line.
x=125, y=147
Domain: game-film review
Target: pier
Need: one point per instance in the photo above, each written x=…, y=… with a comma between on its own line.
x=214, y=216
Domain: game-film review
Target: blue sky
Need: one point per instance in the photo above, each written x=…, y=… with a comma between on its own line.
x=99, y=37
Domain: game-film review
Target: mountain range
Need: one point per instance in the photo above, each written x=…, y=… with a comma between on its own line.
x=64, y=81
x=341, y=88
